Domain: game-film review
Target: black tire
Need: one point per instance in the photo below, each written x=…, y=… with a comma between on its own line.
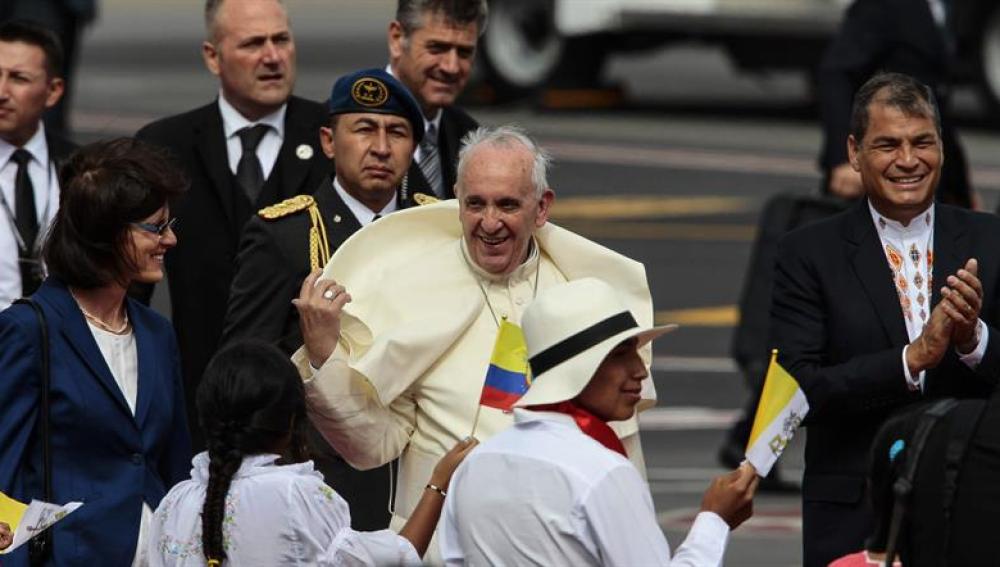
x=521, y=48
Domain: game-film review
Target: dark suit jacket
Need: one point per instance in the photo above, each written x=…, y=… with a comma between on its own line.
x=211, y=216
x=455, y=124
x=888, y=35
x=839, y=330
x=101, y=454
x=59, y=148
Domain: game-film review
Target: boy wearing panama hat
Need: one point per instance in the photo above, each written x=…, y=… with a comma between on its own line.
x=557, y=484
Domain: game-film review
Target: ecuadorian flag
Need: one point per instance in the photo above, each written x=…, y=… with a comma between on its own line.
x=507, y=378
x=780, y=411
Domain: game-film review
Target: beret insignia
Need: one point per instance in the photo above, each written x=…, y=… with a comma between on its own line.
x=422, y=199
x=369, y=92
x=287, y=207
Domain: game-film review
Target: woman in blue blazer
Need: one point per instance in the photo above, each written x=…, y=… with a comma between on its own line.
x=118, y=431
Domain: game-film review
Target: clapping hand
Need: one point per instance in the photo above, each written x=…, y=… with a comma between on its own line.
x=962, y=300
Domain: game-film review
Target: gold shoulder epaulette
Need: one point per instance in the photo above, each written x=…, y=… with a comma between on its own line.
x=286, y=207
x=423, y=199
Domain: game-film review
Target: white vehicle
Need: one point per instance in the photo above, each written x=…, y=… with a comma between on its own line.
x=528, y=41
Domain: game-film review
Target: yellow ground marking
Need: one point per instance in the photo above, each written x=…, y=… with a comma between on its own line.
x=646, y=206
x=666, y=230
x=719, y=316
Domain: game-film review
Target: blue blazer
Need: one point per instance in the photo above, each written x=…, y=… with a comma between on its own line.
x=101, y=454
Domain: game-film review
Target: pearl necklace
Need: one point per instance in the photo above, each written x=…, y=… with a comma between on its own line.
x=97, y=321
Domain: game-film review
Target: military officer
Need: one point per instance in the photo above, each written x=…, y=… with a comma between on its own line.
x=374, y=126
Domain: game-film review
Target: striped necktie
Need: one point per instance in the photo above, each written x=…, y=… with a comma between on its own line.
x=430, y=161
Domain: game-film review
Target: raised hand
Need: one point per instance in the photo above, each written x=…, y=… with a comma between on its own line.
x=320, y=303
x=731, y=495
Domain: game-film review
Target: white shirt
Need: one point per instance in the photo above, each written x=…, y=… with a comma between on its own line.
x=46, y=185
x=270, y=144
x=907, y=249
x=119, y=352
x=360, y=210
x=544, y=493
x=275, y=515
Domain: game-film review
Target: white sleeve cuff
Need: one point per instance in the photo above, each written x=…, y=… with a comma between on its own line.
x=911, y=383
x=973, y=359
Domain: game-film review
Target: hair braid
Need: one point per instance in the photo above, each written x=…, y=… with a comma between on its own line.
x=225, y=458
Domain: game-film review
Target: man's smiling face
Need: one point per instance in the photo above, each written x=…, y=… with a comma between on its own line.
x=899, y=159
x=499, y=207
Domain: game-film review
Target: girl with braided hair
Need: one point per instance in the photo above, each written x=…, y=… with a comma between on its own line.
x=254, y=498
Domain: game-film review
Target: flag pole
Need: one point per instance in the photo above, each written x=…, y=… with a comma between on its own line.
x=475, y=422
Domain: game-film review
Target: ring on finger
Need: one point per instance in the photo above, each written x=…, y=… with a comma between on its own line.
x=330, y=294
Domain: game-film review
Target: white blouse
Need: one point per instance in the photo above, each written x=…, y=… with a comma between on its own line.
x=274, y=515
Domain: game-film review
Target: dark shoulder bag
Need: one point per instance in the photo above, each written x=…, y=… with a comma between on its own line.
x=40, y=547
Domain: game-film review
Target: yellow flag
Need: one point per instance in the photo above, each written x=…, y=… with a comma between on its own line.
x=781, y=409
x=11, y=511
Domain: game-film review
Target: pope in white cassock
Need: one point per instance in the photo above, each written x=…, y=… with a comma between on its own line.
x=399, y=328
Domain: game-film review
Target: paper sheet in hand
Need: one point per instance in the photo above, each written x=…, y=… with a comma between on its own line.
x=781, y=409
x=35, y=518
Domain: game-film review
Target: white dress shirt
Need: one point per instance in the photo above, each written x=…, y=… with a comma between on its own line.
x=270, y=144
x=274, y=515
x=544, y=493
x=46, y=185
x=360, y=210
x=907, y=249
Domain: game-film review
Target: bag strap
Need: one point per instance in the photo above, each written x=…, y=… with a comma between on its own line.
x=40, y=545
x=904, y=484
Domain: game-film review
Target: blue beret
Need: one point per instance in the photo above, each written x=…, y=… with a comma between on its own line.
x=374, y=90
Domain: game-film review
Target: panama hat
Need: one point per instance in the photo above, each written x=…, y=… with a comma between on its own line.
x=569, y=329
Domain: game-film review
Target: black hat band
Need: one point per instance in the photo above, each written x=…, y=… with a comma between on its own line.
x=575, y=344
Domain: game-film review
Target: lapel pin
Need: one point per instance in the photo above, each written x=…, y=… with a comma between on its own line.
x=304, y=151
x=336, y=218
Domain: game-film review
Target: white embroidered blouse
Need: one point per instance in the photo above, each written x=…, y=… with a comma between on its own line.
x=274, y=515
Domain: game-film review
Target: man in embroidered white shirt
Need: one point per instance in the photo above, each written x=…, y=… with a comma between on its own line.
x=399, y=370
x=30, y=59
x=557, y=485
x=885, y=304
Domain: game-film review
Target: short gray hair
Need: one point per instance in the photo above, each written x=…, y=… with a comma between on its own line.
x=410, y=13
x=508, y=137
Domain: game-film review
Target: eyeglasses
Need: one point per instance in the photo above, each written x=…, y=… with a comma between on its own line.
x=157, y=229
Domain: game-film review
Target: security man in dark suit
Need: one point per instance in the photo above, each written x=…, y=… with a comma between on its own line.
x=253, y=146
x=890, y=302
x=432, y=44
x=30, y=83
x=374, y=125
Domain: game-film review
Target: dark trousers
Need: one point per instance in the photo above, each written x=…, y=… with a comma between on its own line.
x=831, y=530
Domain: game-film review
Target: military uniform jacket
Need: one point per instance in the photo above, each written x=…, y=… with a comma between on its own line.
x=273, y=260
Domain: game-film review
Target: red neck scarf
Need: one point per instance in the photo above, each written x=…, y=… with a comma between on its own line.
x=590, y=424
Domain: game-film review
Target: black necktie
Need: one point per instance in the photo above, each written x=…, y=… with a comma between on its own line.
x=26, y=218
x=249, y=173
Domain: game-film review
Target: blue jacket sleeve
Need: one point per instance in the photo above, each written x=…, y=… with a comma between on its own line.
x=19, y=389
